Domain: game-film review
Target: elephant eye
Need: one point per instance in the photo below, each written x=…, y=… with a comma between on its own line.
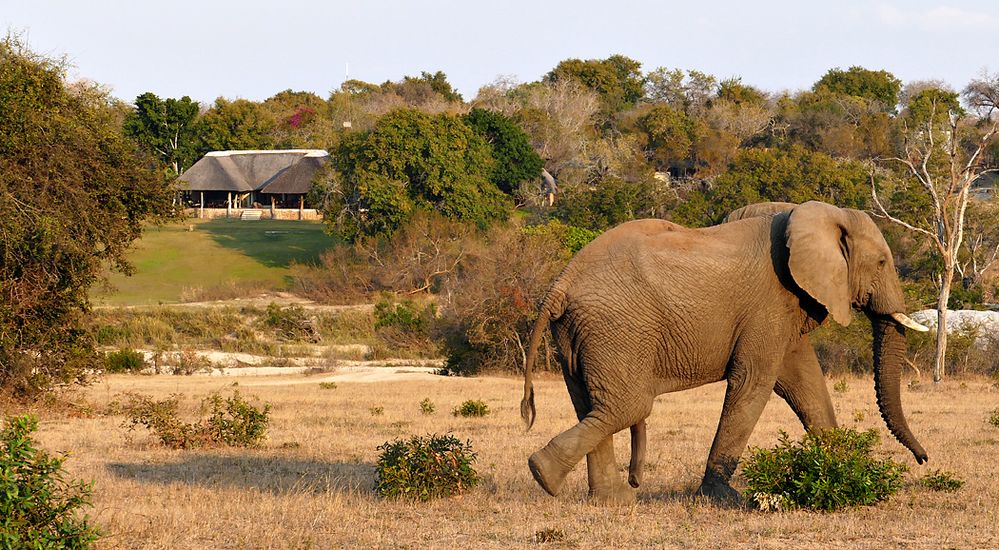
x=882, y=262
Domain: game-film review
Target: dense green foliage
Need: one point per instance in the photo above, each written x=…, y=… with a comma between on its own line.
x=515, y=159
x=411, y=161
x=880, y=86
x=825, y=471
x=794, y=174
x=39, y=508
x=471, y=408
x=165, y=129
x=124, y=360
x=73, y=197
x=424, y=468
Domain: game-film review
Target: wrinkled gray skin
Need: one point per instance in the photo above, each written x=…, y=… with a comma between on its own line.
x=651, y=307
x=638, y=431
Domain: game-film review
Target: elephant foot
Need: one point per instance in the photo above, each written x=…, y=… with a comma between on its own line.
x=719, y=491
x=618, y=495
x=548, y=470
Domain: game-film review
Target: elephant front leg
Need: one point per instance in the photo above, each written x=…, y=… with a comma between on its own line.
x=745, y=399
x=801, y=384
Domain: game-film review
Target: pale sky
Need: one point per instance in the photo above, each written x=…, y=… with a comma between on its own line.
x=253, y=49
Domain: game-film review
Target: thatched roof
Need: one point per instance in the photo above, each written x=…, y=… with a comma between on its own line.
x=287, y=171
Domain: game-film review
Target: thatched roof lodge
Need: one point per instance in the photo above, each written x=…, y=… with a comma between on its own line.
x=253, y=179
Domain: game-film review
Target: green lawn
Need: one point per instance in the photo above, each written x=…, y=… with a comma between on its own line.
x=171, y=258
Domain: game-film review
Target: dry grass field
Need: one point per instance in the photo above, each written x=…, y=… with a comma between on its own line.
x=310, y=484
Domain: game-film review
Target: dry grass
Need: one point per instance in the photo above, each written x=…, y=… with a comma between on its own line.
x=310, y=485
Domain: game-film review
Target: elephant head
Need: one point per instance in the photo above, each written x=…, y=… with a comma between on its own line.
x=840, y=259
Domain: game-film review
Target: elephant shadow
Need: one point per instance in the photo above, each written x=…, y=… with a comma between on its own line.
x=275, y=475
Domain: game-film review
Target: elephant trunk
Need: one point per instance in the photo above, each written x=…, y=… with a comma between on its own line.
x=889, y=354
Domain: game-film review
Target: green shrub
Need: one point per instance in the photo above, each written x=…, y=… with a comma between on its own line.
x=841, y=386
x=425, y=467
x=327, y=385
x=124, y=360
x=235, y=422
x=470, y=408
x=938, y=480
x=38, y=507
x=994, y=417
x=376, y=411
x=231, y=421
x=827, y=470
x=427, y=406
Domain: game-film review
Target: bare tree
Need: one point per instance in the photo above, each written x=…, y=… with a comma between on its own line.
x=944, y=156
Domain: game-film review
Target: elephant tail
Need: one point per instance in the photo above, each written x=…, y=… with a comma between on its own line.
x=551, y=308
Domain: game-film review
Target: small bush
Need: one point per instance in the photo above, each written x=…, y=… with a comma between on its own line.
x=427, y=406
x=404, y=327
x=471, y=408
x=327, y=385
x=124, y=360
x=994, y=418
x=825, y=471
x=231, y=421
x=38, y=507
x=376, y=411
x=290, y=323
x=841, y=386
x=941, y=481
x=549, y=534
x=425, y=467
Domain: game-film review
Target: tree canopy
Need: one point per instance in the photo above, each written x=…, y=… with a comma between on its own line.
x=165, y=128
x=73, y=196
x=881, y=86
x=411, y=161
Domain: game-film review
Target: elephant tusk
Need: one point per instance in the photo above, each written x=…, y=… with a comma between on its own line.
x=907, y=322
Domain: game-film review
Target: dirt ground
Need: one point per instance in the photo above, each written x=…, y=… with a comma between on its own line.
x=310, y=485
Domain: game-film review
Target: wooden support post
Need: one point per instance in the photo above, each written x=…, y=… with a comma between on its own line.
x=272, y=207
x=301, y=206
x=201, y=211
x=228, y=204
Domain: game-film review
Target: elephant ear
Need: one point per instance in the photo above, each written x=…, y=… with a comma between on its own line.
x=816, y=236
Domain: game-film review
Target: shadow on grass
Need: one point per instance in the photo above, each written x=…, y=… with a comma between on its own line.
x=273, y=243
x=276, y=475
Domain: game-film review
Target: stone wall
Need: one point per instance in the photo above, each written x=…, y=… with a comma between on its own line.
x=279, y=213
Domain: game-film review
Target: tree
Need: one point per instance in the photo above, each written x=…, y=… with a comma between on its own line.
x=302, y=120
x=942, y=153
x=617, y=80
x=792, y=174
x=691, y=93
x=235, y=125
x=558, y=117
x=410, y=161
x=881, y=86
x=74, y=195
x=516, y=160
x=669, y=134
x=165, y=128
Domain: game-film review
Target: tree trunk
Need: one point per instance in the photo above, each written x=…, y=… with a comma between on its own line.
x=941, y=352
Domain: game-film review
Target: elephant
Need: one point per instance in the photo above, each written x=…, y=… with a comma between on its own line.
x=650, y=307
x=638, y=430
